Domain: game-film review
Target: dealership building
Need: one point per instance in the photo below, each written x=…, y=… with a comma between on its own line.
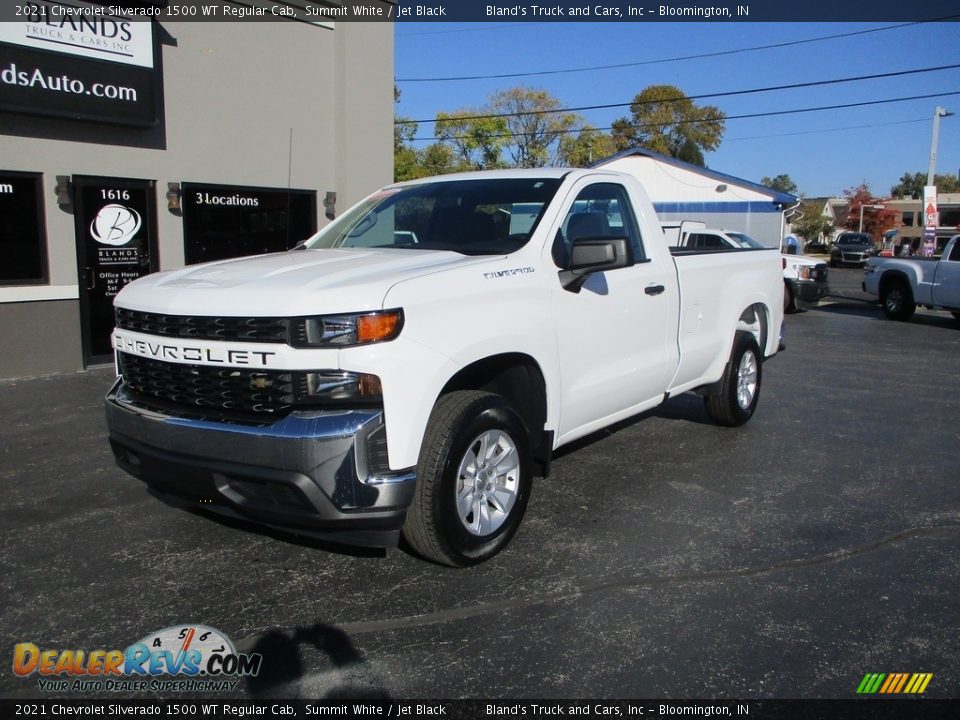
x=129, y=146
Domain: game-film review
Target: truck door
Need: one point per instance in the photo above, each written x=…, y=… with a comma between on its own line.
x=616, y=352
x=946, y=287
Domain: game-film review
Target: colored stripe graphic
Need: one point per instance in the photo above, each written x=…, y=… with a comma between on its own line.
x=894, y=683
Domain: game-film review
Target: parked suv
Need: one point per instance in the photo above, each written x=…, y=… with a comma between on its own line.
x=852, y=247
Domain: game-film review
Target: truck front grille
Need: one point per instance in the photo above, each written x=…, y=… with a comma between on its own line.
x=240, y=329
x=820, y=272
x=202, y=388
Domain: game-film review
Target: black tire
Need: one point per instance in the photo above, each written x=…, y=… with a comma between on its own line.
x=433, y=527
x=833, y=263
x=897, y=300
x=727, y=408
x=789, y=304
x=956, y=315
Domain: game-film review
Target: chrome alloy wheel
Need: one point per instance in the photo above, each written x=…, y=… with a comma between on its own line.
x=488, y=480
x=747, y=380
x=894, y=300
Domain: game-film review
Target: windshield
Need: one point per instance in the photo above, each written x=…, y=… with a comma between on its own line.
x=472, y=217
x=854, y=240
x=746, y=241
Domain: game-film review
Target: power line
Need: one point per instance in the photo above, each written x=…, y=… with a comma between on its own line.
x=719, y=53
x=773, y=113
x=730, y=93
x=824, y=130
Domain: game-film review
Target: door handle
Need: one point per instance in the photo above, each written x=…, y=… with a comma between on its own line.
x=654, y=289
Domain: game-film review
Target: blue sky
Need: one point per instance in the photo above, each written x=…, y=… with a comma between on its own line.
x=823, y=152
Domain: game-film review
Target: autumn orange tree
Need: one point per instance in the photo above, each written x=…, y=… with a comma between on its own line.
x=875, y=221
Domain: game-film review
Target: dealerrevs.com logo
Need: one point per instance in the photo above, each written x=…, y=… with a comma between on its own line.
x=182, y=658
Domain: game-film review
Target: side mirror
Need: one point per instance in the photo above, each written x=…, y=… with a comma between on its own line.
x=592, y=255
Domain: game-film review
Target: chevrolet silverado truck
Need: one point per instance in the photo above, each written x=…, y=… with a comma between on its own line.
x=413, y=366
x=903, y=283
x=805, y=279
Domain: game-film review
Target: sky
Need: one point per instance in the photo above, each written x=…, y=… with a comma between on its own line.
x=823, y=152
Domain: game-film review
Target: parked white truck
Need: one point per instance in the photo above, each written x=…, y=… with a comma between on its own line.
x=413, y=366
x=903, y=283
x=805, y=279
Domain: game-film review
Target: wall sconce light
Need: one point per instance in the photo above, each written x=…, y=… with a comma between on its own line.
x=64, y=192
x=329, y=205
x=721, y=188
x=173, y=197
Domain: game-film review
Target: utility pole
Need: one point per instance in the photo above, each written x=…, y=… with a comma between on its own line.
x=937, y=114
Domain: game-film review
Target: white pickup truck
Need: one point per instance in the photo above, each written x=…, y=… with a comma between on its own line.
x=413, y=366
x=903, y=283
x=805, y=279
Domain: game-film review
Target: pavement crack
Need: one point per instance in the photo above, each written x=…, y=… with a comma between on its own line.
x=642, y=581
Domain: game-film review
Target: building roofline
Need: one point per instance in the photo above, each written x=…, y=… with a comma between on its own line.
x=777, y=196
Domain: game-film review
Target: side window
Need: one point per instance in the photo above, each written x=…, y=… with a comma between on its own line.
x=600, y=210
x=955, y=252
x=706, y=241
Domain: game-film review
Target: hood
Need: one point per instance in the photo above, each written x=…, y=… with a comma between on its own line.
x=301, y=282
x=804, y=260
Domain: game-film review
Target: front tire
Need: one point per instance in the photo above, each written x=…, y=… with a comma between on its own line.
x=740, y=390
x=473, y=480
x=897, y=300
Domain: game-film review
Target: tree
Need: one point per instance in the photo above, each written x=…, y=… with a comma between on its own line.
x=781, y=183
x=478, y=141
x=812, y=223
x=535, y=122
x=584, y=148
x=665, y=120
x=875, y=221
x=405, y=157
x=911, y=185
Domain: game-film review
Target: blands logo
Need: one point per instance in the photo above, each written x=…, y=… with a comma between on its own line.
x=894, y=683
x=115, y=225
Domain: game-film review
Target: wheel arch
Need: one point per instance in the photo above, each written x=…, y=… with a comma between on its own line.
x=755, y=319
x=519, y=378
x=891, y=276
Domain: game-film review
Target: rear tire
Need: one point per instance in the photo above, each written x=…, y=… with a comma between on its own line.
x=897, y=300
x=473, y=480
x=789, y=304
x=740, y=391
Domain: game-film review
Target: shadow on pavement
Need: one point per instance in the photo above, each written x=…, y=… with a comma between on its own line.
x=283, y=667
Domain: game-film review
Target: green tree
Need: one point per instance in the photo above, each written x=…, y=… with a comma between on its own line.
x=477, y=141
x=405, y=158
x=665, y=120
x=911, y=185
x=584, y=148
x=812, y=223
x=535, y=122
x=782, y=183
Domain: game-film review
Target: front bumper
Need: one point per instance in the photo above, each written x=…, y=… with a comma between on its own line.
x=808, y=293
x=318, y=473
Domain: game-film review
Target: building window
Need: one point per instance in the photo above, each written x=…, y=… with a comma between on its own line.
x=23, y=237
x=228, y=221
x=907, y=219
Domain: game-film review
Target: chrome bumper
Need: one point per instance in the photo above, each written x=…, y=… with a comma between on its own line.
x=320, y=473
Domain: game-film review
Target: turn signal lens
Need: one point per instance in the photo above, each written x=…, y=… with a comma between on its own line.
x=378, y=327
x=346, y=330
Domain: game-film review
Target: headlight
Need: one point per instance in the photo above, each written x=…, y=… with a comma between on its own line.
x=805, y=272
x=346, y=330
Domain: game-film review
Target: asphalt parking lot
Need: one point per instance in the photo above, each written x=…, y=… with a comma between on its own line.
x=665, y=557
